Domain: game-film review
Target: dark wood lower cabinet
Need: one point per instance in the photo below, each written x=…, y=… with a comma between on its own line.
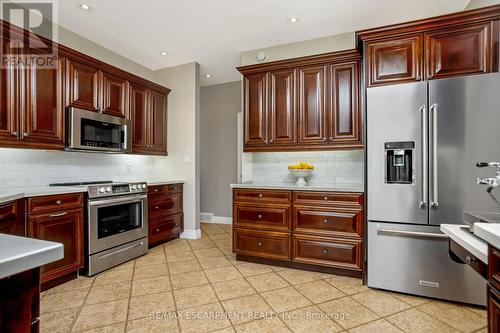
x=20, y=302
x=323, y=233
x=12, y=219
x=165, y=213
x=493, y=302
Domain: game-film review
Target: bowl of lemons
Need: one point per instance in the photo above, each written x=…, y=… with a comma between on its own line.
x=301, y=171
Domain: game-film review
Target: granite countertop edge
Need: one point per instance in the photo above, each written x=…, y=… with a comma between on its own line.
x=291, y=186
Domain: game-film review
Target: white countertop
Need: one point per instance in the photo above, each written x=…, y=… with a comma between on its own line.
x=19, y=254
x=490, y=232
x=472, y=244
x=295, y=187
x=165, y=182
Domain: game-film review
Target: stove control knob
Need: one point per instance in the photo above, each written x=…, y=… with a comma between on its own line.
x=102, y=190
x=134, y=187
x=144, y=186
x=108, y=189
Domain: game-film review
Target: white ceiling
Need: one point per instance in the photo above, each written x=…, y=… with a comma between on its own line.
x=214, y=32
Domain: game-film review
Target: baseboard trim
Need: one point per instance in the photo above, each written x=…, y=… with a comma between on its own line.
x=211, y=218
x=191, y=234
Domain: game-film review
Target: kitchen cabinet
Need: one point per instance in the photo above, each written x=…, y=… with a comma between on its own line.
x=12, y=219
x=165, y=213
x=303, y=103
x=139, y=117
x=114, y=95
x=493, y=295
x=302, y=229
x=157, y=124
x=58, y=218
x=9, y=125
x=82, y=85
x=462, y=43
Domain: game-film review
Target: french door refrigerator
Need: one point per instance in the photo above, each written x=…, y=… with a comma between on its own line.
x=423, y=140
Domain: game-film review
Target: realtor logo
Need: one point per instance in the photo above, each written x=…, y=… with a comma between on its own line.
x=31, y=36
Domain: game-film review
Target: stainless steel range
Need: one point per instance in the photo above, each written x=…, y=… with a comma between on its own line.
x=117, y=224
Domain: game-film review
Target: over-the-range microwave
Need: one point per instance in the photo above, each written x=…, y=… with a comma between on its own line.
x=93, y=131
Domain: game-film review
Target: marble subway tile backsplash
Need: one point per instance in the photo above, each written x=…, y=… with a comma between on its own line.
x=26, y=167
x=330, y=167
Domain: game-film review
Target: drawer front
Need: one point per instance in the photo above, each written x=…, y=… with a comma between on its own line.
x=494, y=266
x=493, y=304
x=54, y=202
x=164, y=189
x=264, y=244
x=162, y=229
x=268, y=217
x=333, y=252
x=169, y=204
x=342, y=222
x=328, y=198
x=249, y=195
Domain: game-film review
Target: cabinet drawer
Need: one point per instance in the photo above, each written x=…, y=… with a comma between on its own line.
x=327, y=198
x=162, y=229
x=333, y=252
x=343, y=222
x=164, y=189
x=169, y=204
x=493, y=304
x=261, y=216
x=494, y=266
x=264, y=244
x=245, y=195
x=54, y=202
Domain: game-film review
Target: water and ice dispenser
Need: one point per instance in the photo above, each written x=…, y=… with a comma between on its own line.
x=399, y=158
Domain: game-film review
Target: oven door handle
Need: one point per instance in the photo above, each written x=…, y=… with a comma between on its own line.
x=130, y=199
x=121, y=250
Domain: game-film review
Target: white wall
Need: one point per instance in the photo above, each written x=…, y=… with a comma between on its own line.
x=481, y=3
x=183, y=137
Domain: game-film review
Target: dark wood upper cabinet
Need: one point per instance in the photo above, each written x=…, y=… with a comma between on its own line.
x=458, y=51
x=282, y=116
x=394, y=60
x=9, y=125
x=311, y=101
x=82, y=86
x=114, y=95
x=139, y=117
x=158, y=122
x=344, y=117
x=41, y=104
x=255, y=109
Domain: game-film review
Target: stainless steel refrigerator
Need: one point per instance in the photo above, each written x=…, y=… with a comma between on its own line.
x=423, y=140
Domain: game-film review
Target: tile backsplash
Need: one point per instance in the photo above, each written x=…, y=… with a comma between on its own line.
x=330, y=167
x=26, y=167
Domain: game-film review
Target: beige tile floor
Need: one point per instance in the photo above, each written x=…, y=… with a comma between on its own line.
x=198, y=286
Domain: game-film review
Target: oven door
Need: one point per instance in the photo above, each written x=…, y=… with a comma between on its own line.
x=116, y=221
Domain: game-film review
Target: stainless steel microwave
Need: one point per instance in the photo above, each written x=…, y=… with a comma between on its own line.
x=92, y=131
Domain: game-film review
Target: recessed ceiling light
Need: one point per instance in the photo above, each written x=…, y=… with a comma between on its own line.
x=208, y=76
x=163, y=53
x=84, y=6
x=292, y=19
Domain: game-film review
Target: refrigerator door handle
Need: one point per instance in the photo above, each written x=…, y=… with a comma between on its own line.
x=434, y=110
x=425, y=169
x=381, y=230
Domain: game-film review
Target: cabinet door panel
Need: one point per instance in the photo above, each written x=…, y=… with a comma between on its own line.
x=66, y=229
x=312, y=113
x=42, y=108
x=8, y=107
x=255, y=109
x=114, y=92
x=395, y=60
x=82, y=86
x=138, y=114
x=344, y=107
x=282, y=117
x=158, y=122
x=458, y=51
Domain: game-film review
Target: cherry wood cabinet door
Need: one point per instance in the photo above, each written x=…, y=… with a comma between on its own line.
x=458, y=51
x=114, y=95
x=394, y=60
x=65, y=227
x=255, y=109
x=138, y=114
x=41, y=109
x=82, y=86
x=311, y=100
x=158, y=122
x=9, y=124
x=344, y=114
x=282, y=115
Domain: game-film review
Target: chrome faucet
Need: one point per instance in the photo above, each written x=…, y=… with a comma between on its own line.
x=492, y=182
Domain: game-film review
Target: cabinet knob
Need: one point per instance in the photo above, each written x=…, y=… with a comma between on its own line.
x=15, y=133
x=325, y=221
x=174, y=187
x=271, y=141
x=59, y=202
x=177, y=224
x=156, y=190
x=260, y=195
x=259, y=243
x=325, y=251
x=259, y=216
x=331, y=138
x=157, y=230
x=156, y=207
x=25, y=135
x=325, y=198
